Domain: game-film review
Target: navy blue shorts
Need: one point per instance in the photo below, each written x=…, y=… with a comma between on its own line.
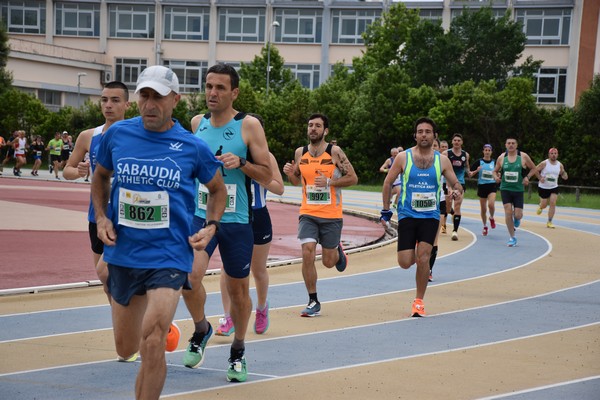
x=124, y=283
x=413, y=230
x=235, y=243
x=514, y=198
x=262, y=226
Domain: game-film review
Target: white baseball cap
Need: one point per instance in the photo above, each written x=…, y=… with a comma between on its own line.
x=161, y=79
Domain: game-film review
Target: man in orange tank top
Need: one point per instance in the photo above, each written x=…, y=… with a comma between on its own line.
x=322, y=169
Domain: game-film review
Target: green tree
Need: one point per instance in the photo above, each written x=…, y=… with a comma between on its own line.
x=5, y=75
x=384, y=40
x=582, y=142
x=19, y=110
x=468, y=51
x=255, y=72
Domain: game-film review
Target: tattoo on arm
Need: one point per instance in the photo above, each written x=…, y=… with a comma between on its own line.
x=344, y=164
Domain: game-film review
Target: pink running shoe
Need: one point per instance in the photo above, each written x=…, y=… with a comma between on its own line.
x=226, y=327
x=261, y=324
x=493, y=223
x=485, y=231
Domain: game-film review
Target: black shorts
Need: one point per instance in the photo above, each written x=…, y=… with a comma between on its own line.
x=64, y=155
x=545, y=193
x=262, y=226
x=55, y=158
x=483, y=191
x=443, y=210
x=96, y=244
x=514, y=198
x=124, y=283
x=413, y=230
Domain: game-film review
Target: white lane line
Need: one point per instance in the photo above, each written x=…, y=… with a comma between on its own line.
x=540, y=388
x=374, y=325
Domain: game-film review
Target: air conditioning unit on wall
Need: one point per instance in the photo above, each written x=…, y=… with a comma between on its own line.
x=105, y=77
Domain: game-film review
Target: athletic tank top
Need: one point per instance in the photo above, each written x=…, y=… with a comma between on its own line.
x=458, y=164
x=322, y=202
x=551, y=174
x=259, y=196
x=94, y=143
x=420, y=196
x=227, y=139
x=486, y=173
x=512, y=174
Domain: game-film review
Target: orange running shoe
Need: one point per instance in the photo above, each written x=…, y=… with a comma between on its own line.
x=418, y=309
x=173, y=337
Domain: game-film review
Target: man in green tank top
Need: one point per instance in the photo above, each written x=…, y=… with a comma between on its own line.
x=509, y=173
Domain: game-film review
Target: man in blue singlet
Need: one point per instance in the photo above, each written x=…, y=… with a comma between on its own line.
x=147, y=226
x=418, y=209
x=239, y=142
x=114, y=102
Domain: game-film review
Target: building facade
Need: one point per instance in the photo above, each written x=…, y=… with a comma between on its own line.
x=64, y=50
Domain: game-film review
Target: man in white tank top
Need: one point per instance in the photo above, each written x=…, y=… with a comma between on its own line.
x=550, y=170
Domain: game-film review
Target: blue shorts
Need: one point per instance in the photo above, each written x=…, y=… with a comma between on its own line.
x=235, y=243
x=413, y=230
x=262, y=226
x=124, y=283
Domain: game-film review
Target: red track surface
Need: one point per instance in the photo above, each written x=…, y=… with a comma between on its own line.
x=39, y=257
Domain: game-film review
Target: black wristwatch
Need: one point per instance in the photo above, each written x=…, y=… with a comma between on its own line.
x=217, y=224
x=242, y=162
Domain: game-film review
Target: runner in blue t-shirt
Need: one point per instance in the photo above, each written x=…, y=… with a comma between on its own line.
x=239, y=142
x=114, y=102
x=147, y=226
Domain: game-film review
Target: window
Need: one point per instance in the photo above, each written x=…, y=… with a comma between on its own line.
x=131, y=21
x=78, y=19
x=298, y=26
x=545, y=27
x=128, y=69
x=496, y=12
x=24, y=16
x=432, y=15
x=191, y=74
x=307, y=74
x=348, y=25
x=242, y=24
x=186, y=23
x=50, y=99
x=550, y=84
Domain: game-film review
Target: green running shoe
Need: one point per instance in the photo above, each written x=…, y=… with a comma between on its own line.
x=194, y=354
x=237, y=371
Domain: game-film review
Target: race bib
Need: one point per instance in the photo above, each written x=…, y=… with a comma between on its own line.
x=551, y=179
x=487, y=175
x=38, y=153
x=143, y=210
x=203, y=195
x=317, y=195
x=422, y=202
x=511, y=177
